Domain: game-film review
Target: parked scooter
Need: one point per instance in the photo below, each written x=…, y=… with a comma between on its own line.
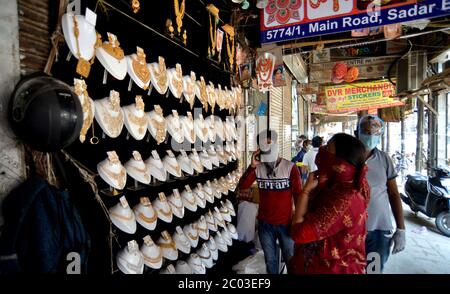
x=431, y=196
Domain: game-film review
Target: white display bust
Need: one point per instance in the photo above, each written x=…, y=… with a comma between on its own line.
x=181, y=241
x=190, y=230
x=162, y=208
x=158, y=75
x=196, y=162
x=136, y=120
x=123, y=217
x=168, y=246
x=185, y=163
x=200, y=128
x=157, y=124
x=175, y=76
x=171, y=164
x=175, y=127
x=87, y=105
x=112, y=58
x=176, y=203
x=196, y=264
x=189, y=199
x=112, y=171
x=210, y=123
x=87, y=36
x=205, y=255
x=189, y=85
x=109, y=114
x=187, y=123
x=152, y=253
x=130, y=260
x=145, y=214
x=155, y=167
x=137, y=68
x=136, y=168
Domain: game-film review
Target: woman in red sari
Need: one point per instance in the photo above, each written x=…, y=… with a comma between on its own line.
x=329, y=225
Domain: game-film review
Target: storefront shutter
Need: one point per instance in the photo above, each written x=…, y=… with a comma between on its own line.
x=276, y=114
x=287, y=118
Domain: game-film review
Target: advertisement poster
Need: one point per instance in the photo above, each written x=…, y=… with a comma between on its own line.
x=245, y=75
x=279, y=78
x=360, y=96
x=283, y=20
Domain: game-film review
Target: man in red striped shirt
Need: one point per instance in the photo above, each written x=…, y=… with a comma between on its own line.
x=279, y=185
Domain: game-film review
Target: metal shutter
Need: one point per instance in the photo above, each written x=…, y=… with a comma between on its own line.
x=276, y=114
x=287, y=118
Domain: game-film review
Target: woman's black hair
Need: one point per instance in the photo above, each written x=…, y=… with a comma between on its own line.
x=351, y=150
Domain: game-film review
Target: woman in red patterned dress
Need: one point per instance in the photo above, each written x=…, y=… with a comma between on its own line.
x=329, y=225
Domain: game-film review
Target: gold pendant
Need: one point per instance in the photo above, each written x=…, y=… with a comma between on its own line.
x=83, y=67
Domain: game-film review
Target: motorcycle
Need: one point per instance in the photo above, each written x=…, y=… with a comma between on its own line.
x=430, y=196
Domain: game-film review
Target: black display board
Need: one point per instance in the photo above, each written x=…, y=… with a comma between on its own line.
x=130, y=34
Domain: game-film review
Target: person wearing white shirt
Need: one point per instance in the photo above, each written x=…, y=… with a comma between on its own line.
x=310, y=156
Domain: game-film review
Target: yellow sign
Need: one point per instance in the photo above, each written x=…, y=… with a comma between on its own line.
x=360, y=96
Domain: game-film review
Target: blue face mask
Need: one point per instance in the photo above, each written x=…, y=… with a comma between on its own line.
x=370, y=141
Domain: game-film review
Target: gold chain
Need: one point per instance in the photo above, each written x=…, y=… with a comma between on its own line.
x=165, y=213
x=213, y=35
x=203, y=97
x=191, y=202
x=127, y=218
x=205, y=257
x=114, y=123
x=113, y=47
x=141, y=122
x=80, y=90
x=176, y=168
x=160, y=73
x=148, y=219
x=120, y=177
x=160, y=130
x=177, y=79
x=155, y=259
x=230, y=51
x=179, y=13
x=83, y=66
x=140, y=66
x=171, y=244
x=195, y=238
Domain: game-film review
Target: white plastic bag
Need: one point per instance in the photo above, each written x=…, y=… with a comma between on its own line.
x=253, y=264
x=246, y=220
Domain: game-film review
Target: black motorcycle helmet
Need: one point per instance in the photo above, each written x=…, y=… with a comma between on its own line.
x=45, y=113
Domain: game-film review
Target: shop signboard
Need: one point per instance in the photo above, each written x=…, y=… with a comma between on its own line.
x=283, y=20
x=360, y=96
x=369, y=68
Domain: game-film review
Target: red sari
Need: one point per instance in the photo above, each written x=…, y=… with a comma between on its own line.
x=331, y=239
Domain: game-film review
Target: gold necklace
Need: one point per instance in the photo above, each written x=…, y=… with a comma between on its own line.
x=203, y=95
x=148, y=219
x=155, y=259
x=140, y=66
x=230, y=51
x=176, y=129
x=160, y=73
x=126, y=218
x=188, y=126
x=114, y=123
x=205, y=257
x=160, y=130
x=141, y=122
x=212, y=34
x=176, y=168
x=177, y=79
x=194, y=238
x=86, y=104
x=83, y=66
x=113, y=47
x=170, y=245
x=190, y=89
x=165, y=213
x=119, y=177
x=189, y=201
x=179, y=13
x=205, y=230
x=175, y=205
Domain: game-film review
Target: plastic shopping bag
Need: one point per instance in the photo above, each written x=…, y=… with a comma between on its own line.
x=246, y=220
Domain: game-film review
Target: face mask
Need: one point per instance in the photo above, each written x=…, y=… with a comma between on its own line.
x=269, y=152
x=369, y=141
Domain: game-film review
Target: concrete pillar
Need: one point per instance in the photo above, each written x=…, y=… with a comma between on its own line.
x=420, y=125
x=441, y=108
x=12, y=167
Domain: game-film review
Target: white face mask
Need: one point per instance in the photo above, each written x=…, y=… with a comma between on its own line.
x=269, y=152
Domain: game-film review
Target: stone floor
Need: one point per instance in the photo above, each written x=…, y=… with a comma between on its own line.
x=427, y=251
